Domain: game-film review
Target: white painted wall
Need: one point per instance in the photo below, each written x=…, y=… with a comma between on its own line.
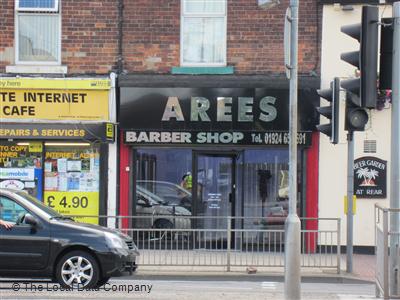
x=112, y=158
x=333, y=158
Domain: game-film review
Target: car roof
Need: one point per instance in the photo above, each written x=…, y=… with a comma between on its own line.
x=8, y=190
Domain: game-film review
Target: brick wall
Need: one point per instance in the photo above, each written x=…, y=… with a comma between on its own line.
x=6, y=33
x=255, y=36
x=89, y=35
x=151, y=40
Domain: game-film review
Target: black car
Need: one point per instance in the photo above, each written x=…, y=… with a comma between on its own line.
x=45, y=244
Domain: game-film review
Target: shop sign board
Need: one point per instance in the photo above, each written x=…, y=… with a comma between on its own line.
x=40, y=131
x=243, y=116
x=275, y=138
x=55, y=83
x=110, y=134
x=370, y=177
x=54, y=99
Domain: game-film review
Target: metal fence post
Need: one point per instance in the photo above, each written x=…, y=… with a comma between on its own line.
x=376, y=222
x=119, y=220
x=228, y=248
x=385, y=255
x=339, y=245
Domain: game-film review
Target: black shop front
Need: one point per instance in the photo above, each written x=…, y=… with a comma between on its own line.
x=212, y=147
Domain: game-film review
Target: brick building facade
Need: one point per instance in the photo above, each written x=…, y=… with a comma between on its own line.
x=151, y=36
x=229, y=113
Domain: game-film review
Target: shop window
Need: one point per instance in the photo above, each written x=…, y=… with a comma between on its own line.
x=163, y=186
x=21, y=166
x=266, y=187
x=38, y=32
x=250, y=185
x=203, y=33
x=72, y=174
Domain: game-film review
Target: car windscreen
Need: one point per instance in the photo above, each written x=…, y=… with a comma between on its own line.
x=149, y=195
x=51, y=212
x=163, y=188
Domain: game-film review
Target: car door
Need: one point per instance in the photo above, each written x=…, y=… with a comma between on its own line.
x=23, y=246
x=144, y=210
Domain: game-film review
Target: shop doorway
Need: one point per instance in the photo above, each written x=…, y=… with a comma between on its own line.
x=214, y=191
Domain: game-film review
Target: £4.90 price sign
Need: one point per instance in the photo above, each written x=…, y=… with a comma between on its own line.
x=75, y=204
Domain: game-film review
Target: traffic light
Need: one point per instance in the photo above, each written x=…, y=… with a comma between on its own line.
x=365, y=59
x=355, y=116
x=385, y=65
x=331, y=112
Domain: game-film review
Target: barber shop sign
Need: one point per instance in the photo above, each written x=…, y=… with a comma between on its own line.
x=370, y=177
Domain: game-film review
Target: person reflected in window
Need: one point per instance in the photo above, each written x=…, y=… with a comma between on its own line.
x=186, y=182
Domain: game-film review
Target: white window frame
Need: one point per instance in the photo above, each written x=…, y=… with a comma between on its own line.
x=184, y=14
x=42, y=9
x=36, y=11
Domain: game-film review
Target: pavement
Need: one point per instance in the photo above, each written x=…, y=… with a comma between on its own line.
x=363, y=266
x=363, y=272
x=203, y=283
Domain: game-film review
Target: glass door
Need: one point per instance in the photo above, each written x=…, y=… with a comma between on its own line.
x=214, y=185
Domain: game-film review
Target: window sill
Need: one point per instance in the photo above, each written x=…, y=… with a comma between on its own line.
x=203, y=70
x=39, y=69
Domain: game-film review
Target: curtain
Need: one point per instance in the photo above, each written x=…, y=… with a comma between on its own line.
x=204, y=31
x=38, y=37
x=203, y=40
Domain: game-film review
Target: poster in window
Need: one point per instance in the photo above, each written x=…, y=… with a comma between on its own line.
x=76, y=188
x=74, y=165
x=62, y=165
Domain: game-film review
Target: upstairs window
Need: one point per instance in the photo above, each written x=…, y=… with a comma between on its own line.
x=38, y=32
x=203, y=33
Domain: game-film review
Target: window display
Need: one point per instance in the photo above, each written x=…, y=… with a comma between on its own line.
x=21, y=166
x=72, y=174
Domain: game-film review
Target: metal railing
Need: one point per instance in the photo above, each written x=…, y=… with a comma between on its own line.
x=387, y=281
x=226, y=241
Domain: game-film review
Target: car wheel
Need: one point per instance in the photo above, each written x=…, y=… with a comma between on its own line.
x=163, y=224
x=77, y=269
x=102, y=281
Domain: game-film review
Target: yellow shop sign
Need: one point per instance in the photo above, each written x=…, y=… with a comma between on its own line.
x=75, y=204
x=55, y=83
x=52, y=104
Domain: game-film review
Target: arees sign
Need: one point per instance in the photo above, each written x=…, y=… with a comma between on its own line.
x=242, y=116
x=370, y=177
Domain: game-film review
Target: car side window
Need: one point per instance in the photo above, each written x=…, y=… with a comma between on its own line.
x=142, y=200
x=10, y=210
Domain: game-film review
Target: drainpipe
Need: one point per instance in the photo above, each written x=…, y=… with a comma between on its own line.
x=120, y=59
